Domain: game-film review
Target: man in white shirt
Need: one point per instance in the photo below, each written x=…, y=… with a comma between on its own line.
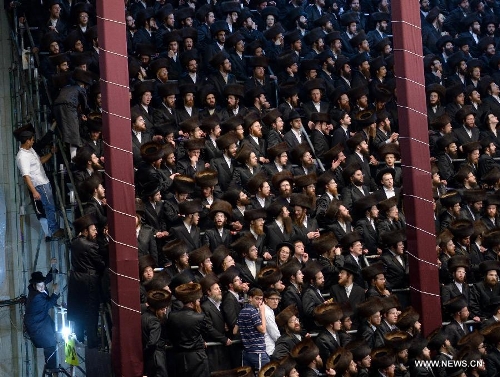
x=271, y=302
x=31, y=169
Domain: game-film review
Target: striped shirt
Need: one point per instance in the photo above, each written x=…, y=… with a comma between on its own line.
x=248, y=320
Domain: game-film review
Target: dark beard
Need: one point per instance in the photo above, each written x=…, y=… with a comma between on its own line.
x=97, y=166
x=448, y=51
x=346, y=218
x=302, y=25
x=259, y=231
x=300, y=220
x=330, y=68
x=244, y=202
x=366, y=73
x=346, y=107
x=347, y=75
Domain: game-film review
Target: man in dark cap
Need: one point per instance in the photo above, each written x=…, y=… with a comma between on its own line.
x=177, y=253
x=234, y=94
x=457, y=308
x=217, y=356
x=312, y=297
x=192, y=162
x=347, y=290
x=95, y=205
x=357, y=186
x=224, y=165
x=220, y=213
x=250, y=262
x=261, y=79
x=165, y=112
x=222, y=75
x=365, y=214
x=482, y=292
x=278, y=156
x=87, y=266
x=187, y=330
x=189, y=230
x=187, y=108
x=447, y=151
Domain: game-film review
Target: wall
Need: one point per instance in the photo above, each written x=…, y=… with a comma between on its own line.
x=17, y=257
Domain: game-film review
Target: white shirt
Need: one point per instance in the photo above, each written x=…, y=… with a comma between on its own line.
x=228, y=160
x=28, y=162
x=189, y=110
x=389, y=193
x=251, y=266
x=298, y=135
x=138, y=135
x=216, y=304
x=348, y=289
x=188, y=227
x=272, y=333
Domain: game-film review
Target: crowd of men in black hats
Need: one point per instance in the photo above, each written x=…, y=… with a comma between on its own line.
x=264, y=139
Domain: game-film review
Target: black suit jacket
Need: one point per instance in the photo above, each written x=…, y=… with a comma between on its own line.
x=351, y=194
x=327, y=343
x=455, y=332
x=369, y=234
x=241, y=176
x=310, y=299
x=259, y=149
x=462, y=136
x=274, y=236
x=320, y=142
x=136, y=147
x=338, y=136
x=217, y=355
x=397, y=275
x=357, y=296
x=146, y=242
x=246, y=275
x=292, y=296
x=219, y=84
x=193, y=239
x=225, y=173
x=230, y=308
x=292, y=140
x=358, y=279
x=213, y=239
x=162, y=115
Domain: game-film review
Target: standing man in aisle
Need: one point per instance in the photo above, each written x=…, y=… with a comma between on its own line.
x=30, y=167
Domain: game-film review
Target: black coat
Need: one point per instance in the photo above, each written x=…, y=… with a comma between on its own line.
x=480, y=297
x=292, y=296
x=136, y=147
x=320, y=142
x=39, y=324
x=274, y=236
x=146, y=242
x=213, y=239
x=192, y=240
x=455, y=332
x=284, y=345
x=219, y=84
x=186, y=331
x=351, y=194
x=369, y=234
x=84, y=283
x=153, y=345
x=310, y=299
x=246, y=275
x=225, y=173
x=241, y=176
x=230, y=308
x=357, y=296
x=493, y=362
x=397, y=275
x=327, y=343
x=260, y=149
x=217, y=355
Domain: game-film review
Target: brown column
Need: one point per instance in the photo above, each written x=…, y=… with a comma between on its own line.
x=126, y=344
x=414, y=141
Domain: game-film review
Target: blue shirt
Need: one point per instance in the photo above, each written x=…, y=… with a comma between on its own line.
x=252, y=339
